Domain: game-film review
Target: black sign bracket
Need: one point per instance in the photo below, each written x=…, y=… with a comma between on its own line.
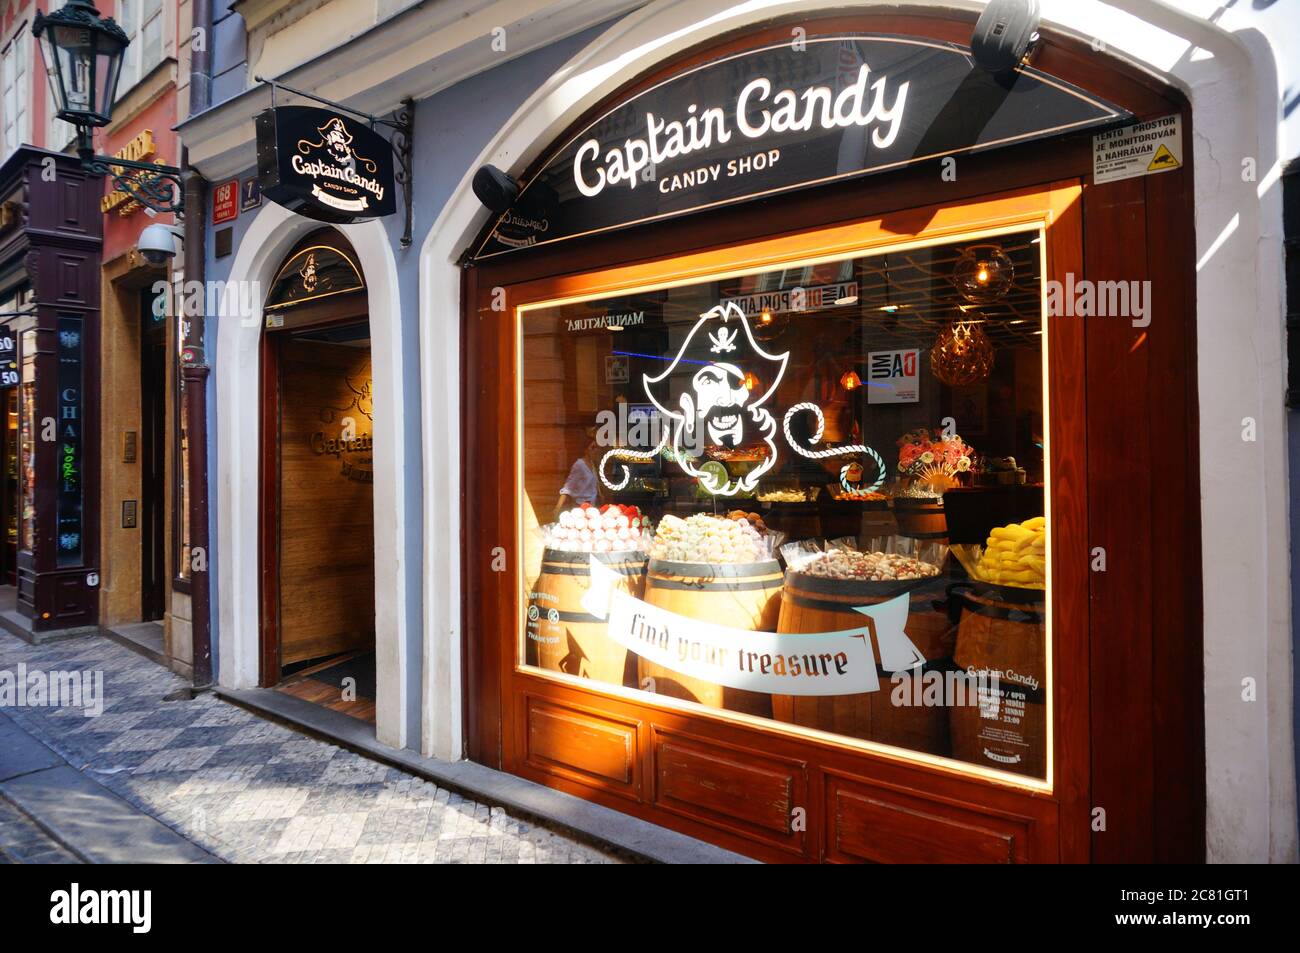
x=402, y=143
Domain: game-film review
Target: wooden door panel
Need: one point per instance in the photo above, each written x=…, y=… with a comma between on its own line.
x=326, y=545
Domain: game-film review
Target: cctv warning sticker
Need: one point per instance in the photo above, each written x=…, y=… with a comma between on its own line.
x=1141, y=149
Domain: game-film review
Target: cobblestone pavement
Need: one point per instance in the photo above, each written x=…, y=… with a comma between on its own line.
x=249, y=790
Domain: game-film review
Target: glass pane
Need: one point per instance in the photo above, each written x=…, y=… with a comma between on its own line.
x=152, y=43
x=812, y=495
x=70, y=541
x=11, y=475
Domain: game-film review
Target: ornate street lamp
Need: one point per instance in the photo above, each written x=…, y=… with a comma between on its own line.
x=83, y=59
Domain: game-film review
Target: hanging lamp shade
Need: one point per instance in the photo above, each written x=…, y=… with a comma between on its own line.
x=83, y=59
x=962, y=354
x=983, y=274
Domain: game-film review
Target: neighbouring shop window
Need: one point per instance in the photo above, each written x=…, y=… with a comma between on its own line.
x=70, y=444
x=27, y=441
x=813, y=495
x=57, y=132
x=15, y=91
x=142, y=21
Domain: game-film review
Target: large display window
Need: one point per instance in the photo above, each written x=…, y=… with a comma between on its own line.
x=811, y=495
x=820, y=510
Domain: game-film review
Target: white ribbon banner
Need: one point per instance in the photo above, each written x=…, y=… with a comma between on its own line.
x=346, y=205
x=821, y=663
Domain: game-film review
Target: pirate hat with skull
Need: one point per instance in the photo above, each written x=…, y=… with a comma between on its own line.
x=719, y=379
x=337, y=139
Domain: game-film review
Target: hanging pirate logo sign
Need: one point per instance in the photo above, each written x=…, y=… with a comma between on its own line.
x=713, y=394
x=323, y=165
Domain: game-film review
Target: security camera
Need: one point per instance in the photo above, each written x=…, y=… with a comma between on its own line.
x=1005, y=35
x=158, y=242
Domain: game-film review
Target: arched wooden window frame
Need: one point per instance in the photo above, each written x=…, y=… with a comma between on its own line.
x=290, y=276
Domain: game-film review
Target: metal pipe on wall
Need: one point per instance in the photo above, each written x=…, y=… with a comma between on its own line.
x=194, y=363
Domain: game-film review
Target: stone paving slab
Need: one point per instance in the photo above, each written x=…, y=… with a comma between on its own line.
x=22, y=841
x=98, y=825
x=20, y=753
x=248, y=790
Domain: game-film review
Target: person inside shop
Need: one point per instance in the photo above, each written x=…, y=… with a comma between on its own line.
x=581, y=486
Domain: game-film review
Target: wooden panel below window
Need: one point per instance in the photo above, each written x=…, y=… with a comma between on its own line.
x=880, y=825
x=582, y=747
x=730, y=788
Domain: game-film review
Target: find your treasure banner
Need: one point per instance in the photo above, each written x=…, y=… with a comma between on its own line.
x=825, y=663
x=785, y=116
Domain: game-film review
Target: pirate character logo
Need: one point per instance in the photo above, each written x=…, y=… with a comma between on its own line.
x=710, y=393
x=308, y=274
x=337, y=141
x=340, y=175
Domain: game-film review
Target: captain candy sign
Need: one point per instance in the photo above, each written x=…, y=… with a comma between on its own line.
x=782, y=117
x=323, y=165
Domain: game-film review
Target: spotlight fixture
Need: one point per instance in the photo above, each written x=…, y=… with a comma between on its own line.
x=496, y=190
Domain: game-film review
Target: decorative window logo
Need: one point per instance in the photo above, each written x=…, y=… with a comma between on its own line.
x=724, y=402
x=308, y=274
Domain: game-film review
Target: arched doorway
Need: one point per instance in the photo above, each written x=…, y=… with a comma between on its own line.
x=317, y=538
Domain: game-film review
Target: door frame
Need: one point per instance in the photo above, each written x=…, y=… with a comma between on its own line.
x=345, y=309
x=153, y=404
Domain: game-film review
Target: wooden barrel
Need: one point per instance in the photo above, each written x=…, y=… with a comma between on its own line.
x=739, y=595
x=920, y=518
x=561, y=635
x=818, y=604
x=1002, y=633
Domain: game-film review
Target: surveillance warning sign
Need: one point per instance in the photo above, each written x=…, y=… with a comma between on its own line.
x=1142, y=149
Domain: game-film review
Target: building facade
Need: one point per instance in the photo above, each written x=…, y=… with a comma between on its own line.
x=814, y=246
x=105, y=549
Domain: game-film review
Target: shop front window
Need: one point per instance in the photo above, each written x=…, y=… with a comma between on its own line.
x=27, y=441
x=70, y=535
x=812, y=495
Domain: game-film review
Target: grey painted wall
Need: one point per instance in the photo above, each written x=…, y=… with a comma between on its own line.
x=451, y=129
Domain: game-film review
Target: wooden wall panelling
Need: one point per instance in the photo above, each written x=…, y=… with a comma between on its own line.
x=1120, y=484
x=1067, y=411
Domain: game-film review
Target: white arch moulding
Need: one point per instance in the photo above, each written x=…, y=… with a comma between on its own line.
x=1226, y=70
x=238, y=395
